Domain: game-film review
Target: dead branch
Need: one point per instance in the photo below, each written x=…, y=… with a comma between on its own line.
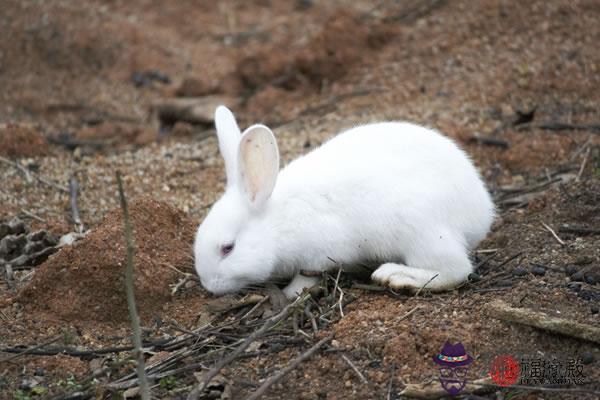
x=355, y=369
x=559, y=240
x=195, y=394
x=425, y=285
x=29, y=174
x=74, y=191
x=489, y=141
x=579, y=229
x=293, y=364
x=193, y=110
x=133, y=314
x=29, y=350
x=433, y=389
x=501, y=310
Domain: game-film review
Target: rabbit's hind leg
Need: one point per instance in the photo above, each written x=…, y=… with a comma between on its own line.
x=439, y=269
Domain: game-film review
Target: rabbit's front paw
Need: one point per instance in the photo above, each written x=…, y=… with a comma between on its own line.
x=398, y=276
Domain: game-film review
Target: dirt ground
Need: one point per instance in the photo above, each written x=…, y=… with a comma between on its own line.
x=515, y=83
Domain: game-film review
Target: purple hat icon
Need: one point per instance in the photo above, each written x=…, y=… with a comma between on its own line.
x=453, y=355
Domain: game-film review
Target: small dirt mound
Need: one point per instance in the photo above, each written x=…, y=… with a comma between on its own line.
x=85, y=282
x=21, y=141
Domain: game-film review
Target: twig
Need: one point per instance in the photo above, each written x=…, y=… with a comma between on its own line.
x=408, y=314
x=579, y=229
x=544, y=388
x=18, y=166
x=293, y=364
x=501, y=310
x=433, y=389
x=287, y=310
x=391, y=383
x=29, y=350
x=559, y=240
x=356, y=371
x=32, y=215
x=426, y=283
x=582, y=168
x=561, y=126
x=35, y=351
x=133, y=314
x=28, y=175
x=489, y=141
x=74, y=190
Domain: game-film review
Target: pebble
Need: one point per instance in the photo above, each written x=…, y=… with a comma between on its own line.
x=519, y=271
x=574, y=286
x=4, y=230
x=190, y=284
x=587, y=358
x=17, y=226
x=538, y=270
x=578, y=276
x=504, y=283
x=39, y=372
x=571, y=269
x=591, y=279
x=594, y=310
x=473, y=277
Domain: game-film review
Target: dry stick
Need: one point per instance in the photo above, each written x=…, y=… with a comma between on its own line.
x=30, y=350
x=293, y=364
x=408, y=314
x=356, y=370
x=74, y=190
x=544, y=388
x=28, y=174
x=585, y=158
x=426, y=283
x=133, y=314
x=195, y=394
x=579, y=229
x=559, y=240
x=391, y=383
x=501, y=310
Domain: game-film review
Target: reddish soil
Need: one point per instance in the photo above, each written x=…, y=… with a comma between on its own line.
x=86, y=78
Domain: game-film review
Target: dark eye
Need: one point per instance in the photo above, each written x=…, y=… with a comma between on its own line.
x=226, y=249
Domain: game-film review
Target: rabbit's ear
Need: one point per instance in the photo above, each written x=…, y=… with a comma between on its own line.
x=229, y=135
x=258, y=164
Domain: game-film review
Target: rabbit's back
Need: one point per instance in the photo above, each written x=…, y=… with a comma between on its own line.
x=382, y=184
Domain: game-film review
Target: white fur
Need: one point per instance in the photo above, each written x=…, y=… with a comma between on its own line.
x=393, y=193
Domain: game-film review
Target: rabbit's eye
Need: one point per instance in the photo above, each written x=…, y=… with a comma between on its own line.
x=226, y=249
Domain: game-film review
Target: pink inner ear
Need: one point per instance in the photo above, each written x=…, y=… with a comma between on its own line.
x=258, y=163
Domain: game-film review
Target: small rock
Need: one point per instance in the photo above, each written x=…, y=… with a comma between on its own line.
x=588, y=295
x=29, y=383
x=39, y=372
x=519, y=271
x=12, y=244
x=574, y=286
x=17, y=226
x=587, y=358
x=4, y=230
x=578, y=276
x=36, y=236
x=504, y=283
x=375, y=364
x=571, y=269
x=190, y=284
x=348, y=383
x=50, y=239
x=33, y=247
x=473, y=277
x=538, y=270
x=591, y=279
x=594, y=310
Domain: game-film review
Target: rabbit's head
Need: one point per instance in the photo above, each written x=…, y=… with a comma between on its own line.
x=233, y=246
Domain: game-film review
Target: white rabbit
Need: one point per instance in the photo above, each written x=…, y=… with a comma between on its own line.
x=391, y=192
